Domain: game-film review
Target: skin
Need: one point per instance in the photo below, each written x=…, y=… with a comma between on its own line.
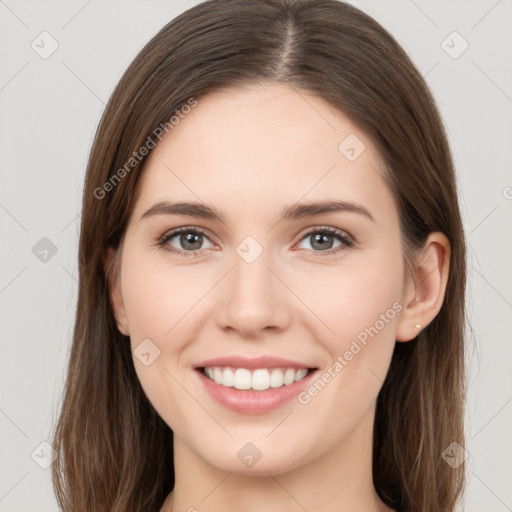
x=249, y=152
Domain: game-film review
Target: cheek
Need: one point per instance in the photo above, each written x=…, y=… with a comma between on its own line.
x=359, y=306
x=158, y=301
x=157, y=297
x=356, y=312
x=163, y=304
x=347, y=300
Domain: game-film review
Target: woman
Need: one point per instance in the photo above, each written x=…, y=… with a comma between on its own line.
x=272, y=274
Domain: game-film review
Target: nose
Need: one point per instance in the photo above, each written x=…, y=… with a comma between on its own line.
x=252, y=299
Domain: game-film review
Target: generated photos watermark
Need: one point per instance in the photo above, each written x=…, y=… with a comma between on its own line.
x=356, y=346
x=143, y=151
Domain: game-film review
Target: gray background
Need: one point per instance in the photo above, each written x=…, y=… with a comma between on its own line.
x=50, y=110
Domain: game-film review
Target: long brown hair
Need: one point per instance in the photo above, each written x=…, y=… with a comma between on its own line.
x=114, y=451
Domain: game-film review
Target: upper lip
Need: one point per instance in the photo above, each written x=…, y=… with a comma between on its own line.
x=253, y=363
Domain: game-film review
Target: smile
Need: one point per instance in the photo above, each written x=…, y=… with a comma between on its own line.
x=257, y=380
x=253, y=386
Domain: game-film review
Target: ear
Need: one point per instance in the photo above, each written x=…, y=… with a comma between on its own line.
x=111, y=267
x=425, y=288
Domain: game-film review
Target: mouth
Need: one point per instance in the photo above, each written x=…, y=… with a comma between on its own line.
x=259, y=379
x=253, y=386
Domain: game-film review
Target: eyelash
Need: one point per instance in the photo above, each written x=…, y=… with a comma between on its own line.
x=346, y=240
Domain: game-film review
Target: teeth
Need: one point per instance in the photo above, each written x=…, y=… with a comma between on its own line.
x=259, y=380
x=276, y=378
x=299, y=375
x=289, y=376
x=242, y=379
x=217, y=375
x=228, y=378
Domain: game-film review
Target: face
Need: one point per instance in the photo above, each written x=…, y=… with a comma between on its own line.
x=300, y=304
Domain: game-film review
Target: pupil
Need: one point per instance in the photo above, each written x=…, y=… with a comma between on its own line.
x=321, y=238
x=190, y=239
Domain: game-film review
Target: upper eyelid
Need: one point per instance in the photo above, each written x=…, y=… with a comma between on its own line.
x=305, y=232
x=335, y=232
x=184, y=229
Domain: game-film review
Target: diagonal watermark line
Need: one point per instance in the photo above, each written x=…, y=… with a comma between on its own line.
x=13, y=423
x=3, y=2
x=424, y=14
x=13, y=279
x=76, y=14
x=198, y=402
x=381, y=172
x=485, y=15
x=417, y=83
x=485, y=218
x=279, y=423
x=14, y=218
x=14, y=76
x=217, y=486
x=194, y=305
x=83, y=82
x=301, y=300
x=416, y=285
x=503, y=407
x=496, y=290
x=508, y=508
x=492, y=81
x=69, y=223
x=299, y=93
x=286, y=491
x=5, y=495
x=69, y=273
x=376, y=375
x=305, y=194
x=434, y=66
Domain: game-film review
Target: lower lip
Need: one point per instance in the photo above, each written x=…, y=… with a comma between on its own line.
x=254, y=402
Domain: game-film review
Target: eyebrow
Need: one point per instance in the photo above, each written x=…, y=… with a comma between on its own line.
x=292, y=212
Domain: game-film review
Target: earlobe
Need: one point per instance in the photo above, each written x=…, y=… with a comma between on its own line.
x=427, y=287
x=111, y=269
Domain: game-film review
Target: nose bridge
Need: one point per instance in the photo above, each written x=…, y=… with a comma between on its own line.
x=251, y=275
x=254, y=298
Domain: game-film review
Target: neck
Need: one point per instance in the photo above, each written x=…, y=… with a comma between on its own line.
x=340, y=480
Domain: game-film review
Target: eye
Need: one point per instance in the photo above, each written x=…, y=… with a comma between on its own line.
x=323, y=240
x=189, y=240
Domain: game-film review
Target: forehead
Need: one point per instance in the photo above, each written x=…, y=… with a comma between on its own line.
x=259, y=145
